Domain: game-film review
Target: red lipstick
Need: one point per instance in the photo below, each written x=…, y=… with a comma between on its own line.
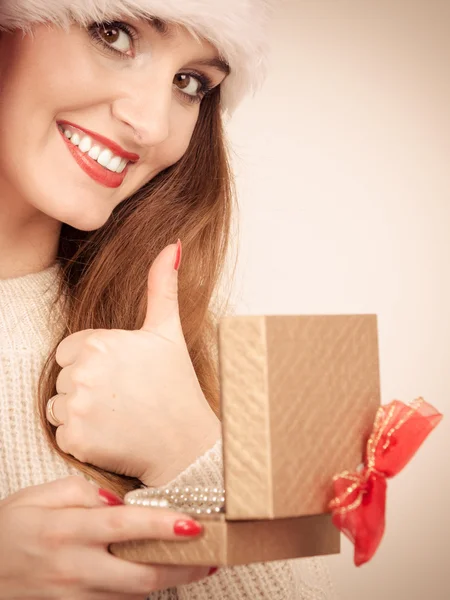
x=90, y=166
x=115, y=148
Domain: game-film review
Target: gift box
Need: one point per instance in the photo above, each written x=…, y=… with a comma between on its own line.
x=299, y=395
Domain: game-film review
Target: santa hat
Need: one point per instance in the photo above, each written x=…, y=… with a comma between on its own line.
x=237, y=28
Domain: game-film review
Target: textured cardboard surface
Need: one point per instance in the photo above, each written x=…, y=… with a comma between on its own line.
x=235, y=543
x=299, y=398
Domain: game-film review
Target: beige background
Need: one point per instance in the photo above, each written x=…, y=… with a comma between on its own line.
x=344, y=181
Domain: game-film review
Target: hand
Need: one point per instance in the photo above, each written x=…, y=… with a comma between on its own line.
x=54, y=542
x=129, y=402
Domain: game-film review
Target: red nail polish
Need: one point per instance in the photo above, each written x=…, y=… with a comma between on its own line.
x=177, y=262
x=212, y=571
x=109, y=498
x=187, y=528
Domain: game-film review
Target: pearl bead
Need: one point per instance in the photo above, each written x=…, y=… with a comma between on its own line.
x=191, y=500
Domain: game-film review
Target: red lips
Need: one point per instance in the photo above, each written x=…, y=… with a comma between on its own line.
x=90, y=166
x=115, y=148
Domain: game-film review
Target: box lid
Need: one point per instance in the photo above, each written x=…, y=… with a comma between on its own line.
x=299, y=398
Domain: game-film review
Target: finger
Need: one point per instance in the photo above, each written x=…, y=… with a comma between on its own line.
x=111, y=596
x=71, y=440
x=69, y=349
x=106, y=572
x=65, y=381
x=62, y=442
x=73, y=491
x=162, y=292
x=82, y=373
x=123, y=523
x=56, y=410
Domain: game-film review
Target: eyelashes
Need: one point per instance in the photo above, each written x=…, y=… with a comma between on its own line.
x=206, y=86
x=96, y=32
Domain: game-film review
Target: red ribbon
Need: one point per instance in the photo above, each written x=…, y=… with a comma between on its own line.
x=358, y=508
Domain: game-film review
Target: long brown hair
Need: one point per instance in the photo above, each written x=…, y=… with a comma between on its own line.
x=104, y=273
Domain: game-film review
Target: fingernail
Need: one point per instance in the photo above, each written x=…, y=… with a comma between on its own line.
x=187, y=528
x=109, y=498
x=212, y=571
x=176, y=264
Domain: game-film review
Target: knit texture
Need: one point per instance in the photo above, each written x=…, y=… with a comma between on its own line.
x=29, y=325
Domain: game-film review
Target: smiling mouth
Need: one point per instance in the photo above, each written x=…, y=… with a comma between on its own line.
x=103, y=164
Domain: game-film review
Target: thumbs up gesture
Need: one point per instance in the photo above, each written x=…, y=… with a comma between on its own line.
x=129, y=402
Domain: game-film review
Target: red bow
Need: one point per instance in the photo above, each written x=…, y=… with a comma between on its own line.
x=360, y=498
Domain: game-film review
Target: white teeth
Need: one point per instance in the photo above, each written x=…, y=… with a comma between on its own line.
x=123, y=164
x=94, y=152
x=85, y=144
x=105, y=157
x=114, y=163
x=102, y=155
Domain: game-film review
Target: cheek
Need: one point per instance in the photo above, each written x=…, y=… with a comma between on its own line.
x=33, y=94
x=44, y=70
x=34, y=164
x=48, y=73
x=182, y=127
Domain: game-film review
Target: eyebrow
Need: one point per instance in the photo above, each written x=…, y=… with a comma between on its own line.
x=163, y=29
x=216, y=63
x=160, y=26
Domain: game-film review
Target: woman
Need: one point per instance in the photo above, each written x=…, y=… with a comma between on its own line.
x=111, y=149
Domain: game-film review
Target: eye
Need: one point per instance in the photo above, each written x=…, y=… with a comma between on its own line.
x=193, y=86
x=116, y=37
x=188, y=84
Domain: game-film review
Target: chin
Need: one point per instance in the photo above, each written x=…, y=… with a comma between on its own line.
x=82, y=211
x=86, y=220
x=85, y=223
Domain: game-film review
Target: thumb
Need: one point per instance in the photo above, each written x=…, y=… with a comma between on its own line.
x=162, y=290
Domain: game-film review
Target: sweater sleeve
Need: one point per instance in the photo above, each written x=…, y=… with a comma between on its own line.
x=302, y=579
x=206, y=471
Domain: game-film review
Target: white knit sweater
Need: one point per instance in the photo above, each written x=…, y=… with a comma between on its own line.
x=28, y=328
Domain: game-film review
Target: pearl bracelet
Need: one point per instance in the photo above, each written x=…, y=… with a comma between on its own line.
x=191, y=500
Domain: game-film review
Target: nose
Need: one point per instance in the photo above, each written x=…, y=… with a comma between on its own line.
x=146, y=110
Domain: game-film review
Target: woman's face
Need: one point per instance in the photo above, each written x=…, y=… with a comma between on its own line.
x=89, y=116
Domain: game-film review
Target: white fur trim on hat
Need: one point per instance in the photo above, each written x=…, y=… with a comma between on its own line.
x=237, y=28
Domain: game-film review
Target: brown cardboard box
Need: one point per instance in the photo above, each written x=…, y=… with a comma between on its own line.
x=299, y=398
